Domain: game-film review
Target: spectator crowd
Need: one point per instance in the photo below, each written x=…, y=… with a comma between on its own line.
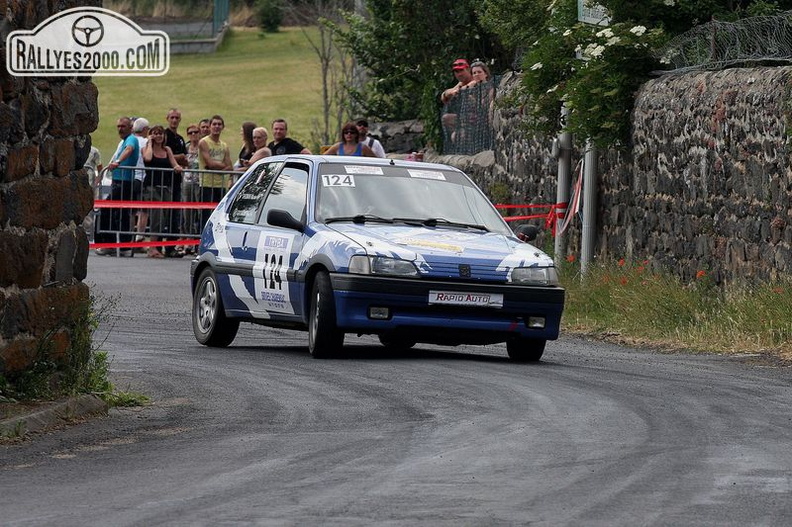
x=155, y=163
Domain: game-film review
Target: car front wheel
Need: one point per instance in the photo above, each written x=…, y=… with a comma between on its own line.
x=210, y=324
x=525, y=350
x=324, y=337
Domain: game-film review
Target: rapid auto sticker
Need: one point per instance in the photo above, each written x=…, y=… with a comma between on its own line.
x=270, y=278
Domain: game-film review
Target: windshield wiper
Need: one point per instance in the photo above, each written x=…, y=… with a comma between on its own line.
x=434, y=222
x=410, y=221
x=360, y=218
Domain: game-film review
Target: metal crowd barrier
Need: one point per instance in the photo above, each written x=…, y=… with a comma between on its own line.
x=157, y=203
x=467, y=120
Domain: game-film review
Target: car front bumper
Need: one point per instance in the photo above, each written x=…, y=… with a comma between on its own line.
x=411, y=314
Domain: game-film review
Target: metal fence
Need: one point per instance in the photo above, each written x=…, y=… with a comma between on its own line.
x=719, y=44
x=167, y=206
x=467, y=120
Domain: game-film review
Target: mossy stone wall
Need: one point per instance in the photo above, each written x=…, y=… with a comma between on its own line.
x=44, y=195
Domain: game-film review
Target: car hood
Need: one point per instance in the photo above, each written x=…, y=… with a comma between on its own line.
x=440, y=251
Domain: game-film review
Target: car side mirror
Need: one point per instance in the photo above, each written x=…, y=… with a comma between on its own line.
x=281, y=218
x=526, y=233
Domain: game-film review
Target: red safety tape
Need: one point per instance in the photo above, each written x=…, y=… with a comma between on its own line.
x=529, y=217
x=525, y=206
x=556, y=212
x=504, y=206
x=131, y=245
x=110, y=204
x=574, y=206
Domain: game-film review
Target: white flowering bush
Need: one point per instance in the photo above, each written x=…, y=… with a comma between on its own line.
x=594, y=70
x=597, y=70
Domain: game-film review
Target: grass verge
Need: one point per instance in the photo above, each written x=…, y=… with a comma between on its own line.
x=631, y=303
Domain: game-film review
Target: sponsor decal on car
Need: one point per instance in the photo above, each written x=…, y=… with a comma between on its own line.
x=426, y=174
x=269, y=272
x=452, y=298
x=431, y=245
x=353, y=169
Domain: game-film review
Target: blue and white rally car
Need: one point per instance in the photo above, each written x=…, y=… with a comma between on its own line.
x=411, y=252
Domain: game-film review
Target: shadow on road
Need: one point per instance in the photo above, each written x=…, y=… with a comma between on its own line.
x=375, y=352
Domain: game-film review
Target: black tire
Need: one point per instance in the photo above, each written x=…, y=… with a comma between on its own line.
x=396, y=343
x=324, y=337
x=525, y=350
x=210, y=324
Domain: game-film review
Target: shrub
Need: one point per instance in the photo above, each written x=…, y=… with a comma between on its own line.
x=83, y=370
x=270, y=15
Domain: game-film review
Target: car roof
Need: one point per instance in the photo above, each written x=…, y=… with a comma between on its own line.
x=375, y=161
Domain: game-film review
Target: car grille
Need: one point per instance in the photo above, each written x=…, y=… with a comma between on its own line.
x=471, y=272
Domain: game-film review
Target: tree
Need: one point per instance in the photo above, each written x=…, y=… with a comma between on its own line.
x=406, y=48
x=335, y=63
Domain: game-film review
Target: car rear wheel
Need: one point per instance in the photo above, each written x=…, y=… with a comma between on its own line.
x=525, y=350
x=211, y=326
x=324, y=337
x=396, y=343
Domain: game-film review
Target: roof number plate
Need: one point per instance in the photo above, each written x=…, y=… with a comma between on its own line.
x=338, y=180
x=453, y=298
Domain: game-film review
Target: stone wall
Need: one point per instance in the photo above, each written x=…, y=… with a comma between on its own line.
x=44, y=195
x=399, y=137
x=704, y=186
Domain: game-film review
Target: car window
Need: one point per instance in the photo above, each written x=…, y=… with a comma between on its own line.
x=348, y=190
x=248, y=200
x=288, y=192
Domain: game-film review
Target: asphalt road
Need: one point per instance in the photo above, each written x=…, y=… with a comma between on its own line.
x=261, y=433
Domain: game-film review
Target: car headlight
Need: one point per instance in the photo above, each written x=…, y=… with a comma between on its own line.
x=534, y=276
x=381, y=265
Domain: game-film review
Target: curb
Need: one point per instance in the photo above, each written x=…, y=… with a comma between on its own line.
x=53, y=414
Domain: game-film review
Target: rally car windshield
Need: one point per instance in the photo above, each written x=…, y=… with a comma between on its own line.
x=431, y=197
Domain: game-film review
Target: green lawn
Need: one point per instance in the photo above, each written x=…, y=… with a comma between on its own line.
x=253, y=77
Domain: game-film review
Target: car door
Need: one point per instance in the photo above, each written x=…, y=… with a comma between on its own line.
x=274, y=275
x=238, y=240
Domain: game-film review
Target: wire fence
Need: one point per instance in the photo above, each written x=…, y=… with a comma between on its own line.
x=720, y=44
x=467, y=120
